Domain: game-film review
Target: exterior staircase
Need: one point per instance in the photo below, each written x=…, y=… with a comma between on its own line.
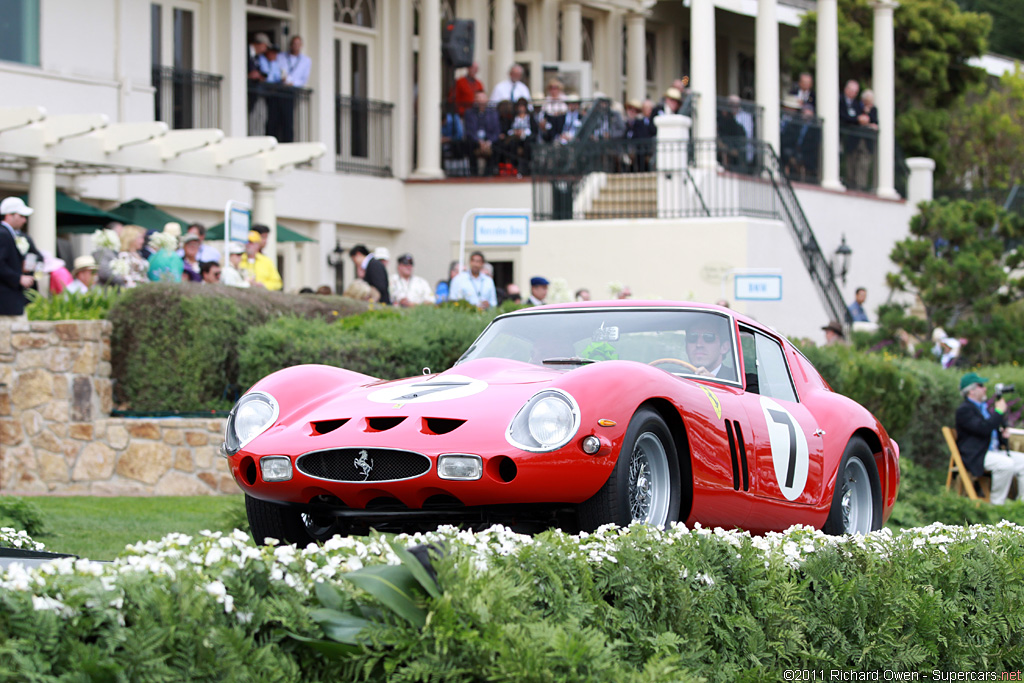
x=626, y=195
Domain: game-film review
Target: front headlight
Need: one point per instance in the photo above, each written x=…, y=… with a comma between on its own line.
x=548, y=421
x=252, y=415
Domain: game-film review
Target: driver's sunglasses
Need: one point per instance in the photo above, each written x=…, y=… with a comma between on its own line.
x=708, y=337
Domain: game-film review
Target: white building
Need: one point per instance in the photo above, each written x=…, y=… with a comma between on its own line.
x=374, y=101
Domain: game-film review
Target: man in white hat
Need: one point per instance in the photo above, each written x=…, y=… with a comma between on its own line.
x=84, y=274
x=13, y=247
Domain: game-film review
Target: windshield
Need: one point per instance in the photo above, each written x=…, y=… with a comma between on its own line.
x=694, y=343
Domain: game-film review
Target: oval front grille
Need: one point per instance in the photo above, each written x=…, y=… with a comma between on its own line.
x=363, y=464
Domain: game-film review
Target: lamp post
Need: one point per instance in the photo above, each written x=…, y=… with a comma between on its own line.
x=841, y=259
x=338, y=263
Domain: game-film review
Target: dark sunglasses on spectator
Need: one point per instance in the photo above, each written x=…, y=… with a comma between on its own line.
x=709, y=338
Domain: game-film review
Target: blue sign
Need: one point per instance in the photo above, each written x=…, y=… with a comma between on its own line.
x=501, y=230
x=758, y=288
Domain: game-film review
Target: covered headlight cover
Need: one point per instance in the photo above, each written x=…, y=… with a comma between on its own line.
x=548, y=421
x=252, y=415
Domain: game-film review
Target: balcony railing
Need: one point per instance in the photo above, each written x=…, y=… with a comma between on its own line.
x=858, y=158
x=186, y=99
x=363, y=136
x=281, y=111
x=800, y=146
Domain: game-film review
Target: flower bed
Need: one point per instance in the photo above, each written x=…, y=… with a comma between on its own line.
x=620, y=604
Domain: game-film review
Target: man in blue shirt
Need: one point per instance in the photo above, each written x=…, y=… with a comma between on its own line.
x=981, y=439
x=474, y=286
x=857, y=307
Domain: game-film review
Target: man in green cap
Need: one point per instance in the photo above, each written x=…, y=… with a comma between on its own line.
x=981, y=439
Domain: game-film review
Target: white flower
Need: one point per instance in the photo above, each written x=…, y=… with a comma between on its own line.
x=120, y=266
x=161, y=241
x=22, y=244
x=106, y=239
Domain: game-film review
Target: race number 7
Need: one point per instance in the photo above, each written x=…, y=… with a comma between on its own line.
x=782, y=417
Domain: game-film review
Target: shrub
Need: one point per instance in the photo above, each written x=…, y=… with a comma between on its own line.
x=93, y=305
x=175, y=346
x=633, y=604
x=384, y=343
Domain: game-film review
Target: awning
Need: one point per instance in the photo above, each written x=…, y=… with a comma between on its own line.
x=141, y=212
x=283, y=234
x=74, y=216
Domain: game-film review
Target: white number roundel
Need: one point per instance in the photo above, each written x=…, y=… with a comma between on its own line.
x=789, y=448
x=437, y=388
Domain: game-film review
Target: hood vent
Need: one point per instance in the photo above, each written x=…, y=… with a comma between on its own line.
x=441, y=425
x=382, y=424
x=327, y=426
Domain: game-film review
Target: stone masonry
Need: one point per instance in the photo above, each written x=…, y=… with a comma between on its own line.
x=56, y=433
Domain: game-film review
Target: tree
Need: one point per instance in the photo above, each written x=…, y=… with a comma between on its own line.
x=957, y=263
x=1007, y=37
x=934, y=41
x=986, y=136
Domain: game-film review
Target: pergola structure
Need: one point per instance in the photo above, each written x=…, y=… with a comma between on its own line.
x=90, y=143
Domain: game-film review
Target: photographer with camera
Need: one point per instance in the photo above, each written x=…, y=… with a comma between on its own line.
x=981, y=437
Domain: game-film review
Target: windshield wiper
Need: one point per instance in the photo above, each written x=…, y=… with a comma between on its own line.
x=573, y=360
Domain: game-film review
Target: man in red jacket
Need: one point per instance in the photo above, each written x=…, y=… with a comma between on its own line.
x=465, y=89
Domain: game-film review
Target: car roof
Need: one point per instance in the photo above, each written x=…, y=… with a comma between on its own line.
x=642, y=304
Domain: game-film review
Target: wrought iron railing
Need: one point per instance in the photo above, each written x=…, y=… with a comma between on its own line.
x=281, y=111
x=185, y=98
x=858, y=158
x=363, y=136
x=800, y=146
x=647, y=178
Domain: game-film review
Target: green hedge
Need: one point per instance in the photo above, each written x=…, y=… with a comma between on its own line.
x=384, y=343
x=175, y=346
x=633, y=604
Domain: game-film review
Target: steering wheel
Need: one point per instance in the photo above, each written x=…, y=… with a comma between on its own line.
x=675, y=361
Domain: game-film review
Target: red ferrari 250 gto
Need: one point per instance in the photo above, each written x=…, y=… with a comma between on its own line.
x=571, y=415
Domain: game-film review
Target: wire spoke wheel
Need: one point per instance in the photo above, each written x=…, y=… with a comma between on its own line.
x=857, y=502
x=650, y=486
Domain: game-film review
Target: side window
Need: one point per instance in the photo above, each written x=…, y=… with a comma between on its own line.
x=772, y=372
x=749, y=350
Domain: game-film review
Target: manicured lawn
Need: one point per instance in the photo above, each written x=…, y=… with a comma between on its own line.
x=99, y=528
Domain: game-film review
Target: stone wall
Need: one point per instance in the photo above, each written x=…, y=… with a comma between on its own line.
x=56, y=433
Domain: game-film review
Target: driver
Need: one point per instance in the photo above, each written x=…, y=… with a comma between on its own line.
x=708, y=346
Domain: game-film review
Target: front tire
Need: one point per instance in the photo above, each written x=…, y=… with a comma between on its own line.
x=644, y=486
x=857, y=499
x=287, y=524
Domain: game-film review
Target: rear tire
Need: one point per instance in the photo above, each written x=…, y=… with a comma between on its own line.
x=857, y=499
x=644, y=486
x=285, y=523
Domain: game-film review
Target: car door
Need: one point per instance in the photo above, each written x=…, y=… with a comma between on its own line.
x=786, y=439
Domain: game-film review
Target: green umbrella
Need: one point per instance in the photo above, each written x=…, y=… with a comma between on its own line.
x=74, y=216
x=283, y=234
x=141, y=212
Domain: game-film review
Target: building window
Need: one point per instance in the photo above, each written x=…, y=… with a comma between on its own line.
x=588, y=39
x=521, y=34
x=282, y=5
x=19, y=31
x=650, y=50
x=355, y=13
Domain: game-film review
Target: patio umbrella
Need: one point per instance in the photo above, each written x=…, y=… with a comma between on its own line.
x=141, y=212
x=74, y=216
x=283, y=234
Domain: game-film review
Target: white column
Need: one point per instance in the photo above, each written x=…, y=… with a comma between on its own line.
x=428, y=129
x=883, y=72
x=327, y=238
x=920, y=182
x=402, y=119
x=702, y=73
x=233, y=55
x=264, y=210
x=767, y=70
x=549, y=29
x=636, y=56
x=827, y=92
x=572, y=31
x=42, y=197
x=672, y=188
x=504, y=40
x=319, y=40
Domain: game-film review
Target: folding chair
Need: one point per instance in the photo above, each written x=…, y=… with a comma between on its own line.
x=965, y=481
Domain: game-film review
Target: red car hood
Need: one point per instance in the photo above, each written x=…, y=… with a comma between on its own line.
x=473, y=388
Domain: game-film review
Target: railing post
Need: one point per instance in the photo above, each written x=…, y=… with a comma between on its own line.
x=920, y=182
x=673, y=136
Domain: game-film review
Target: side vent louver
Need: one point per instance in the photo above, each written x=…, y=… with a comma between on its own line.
x=441, y=425
x=382, y=424
x=738, y=454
